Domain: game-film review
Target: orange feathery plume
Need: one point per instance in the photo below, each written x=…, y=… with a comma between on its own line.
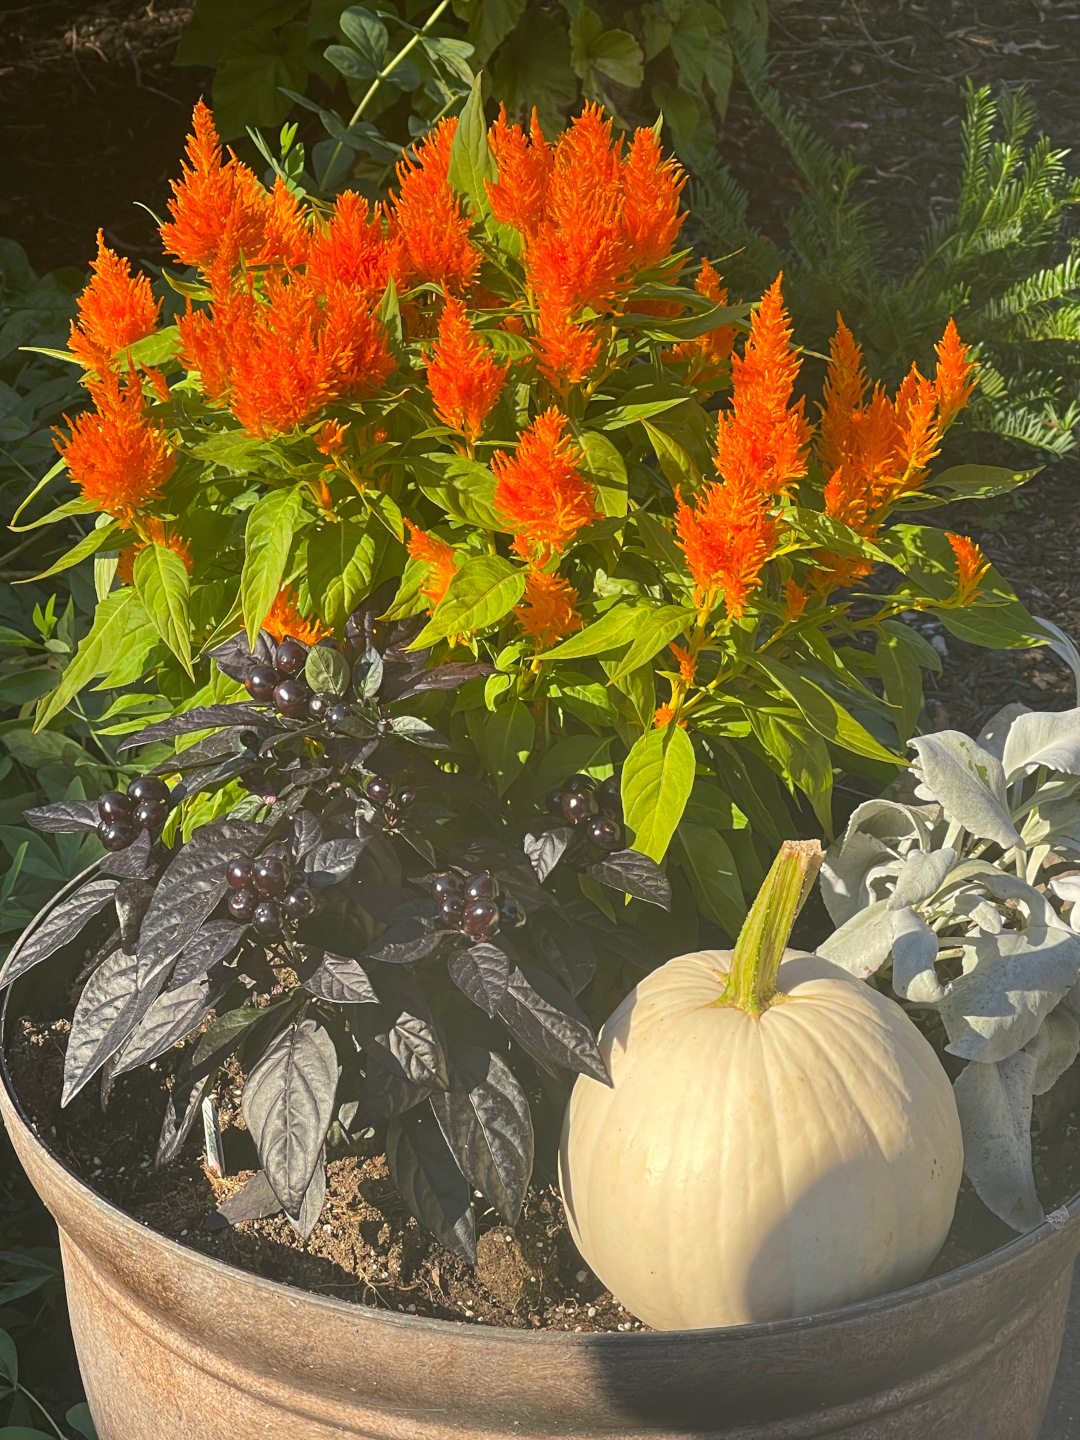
x=217, y=209
x=115, y=310
x=687, y=662
x=464, y=380
x=845, y=391
x=330, y=439
x=541, y=491
x=547, y=610
x=650, y=213
x=795, y=598
x=284, y=618
x=350, y=248
x=157, y=533
x=118, y=457
x=708, y=355
x=285, y=231
x=428, y=218
x=971, y=566
x=663, y=717
x=566, y=353
x=727, y=538
x=761, y=441
x=954, y=379
x=438, y=556
x=519, y=195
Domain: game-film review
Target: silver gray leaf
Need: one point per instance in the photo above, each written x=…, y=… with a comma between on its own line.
x=994, y=1102
x=862, y=945
x=968, y=782
x=914, y=951
x=1018, y=977
x=922, y=876
x=995, y=732
x=1049, y=738
x=1055, y=1048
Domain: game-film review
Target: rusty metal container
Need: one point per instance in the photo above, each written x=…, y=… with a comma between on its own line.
x=174, y=1345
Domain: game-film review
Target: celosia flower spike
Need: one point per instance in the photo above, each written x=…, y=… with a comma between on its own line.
x=217, y=209
x=727, y=537
x=519, y=196
x=115, y=310
x=845, y=391
x=650, y=213
x=464, y=380
x=118, y=458
x=971, y=567
x=547, y=611
x=438, y=556
x=955, y=379
x=284, y=618
x=541, y=491
x=429, y=220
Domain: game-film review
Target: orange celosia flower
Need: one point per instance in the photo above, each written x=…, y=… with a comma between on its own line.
x=217, y=209
x=795, y=598
x=547, y=610
x=761, y=441
x=429, y=221
x=285, y=231
x=650, y=214
x=541, y=491
x=727, y=538
x=687, y=663
x=845, y=391
x=464, y=380
x=115, y=310
x=708, y=355
x=157, y=533
x=119, y=458
x=284, y=618
x=663, y=716
x=971, y=566
x=439, y=557
x=350, y=248
x=330, y=438
x=519, y=196
x=565, y=352
x=954, y=378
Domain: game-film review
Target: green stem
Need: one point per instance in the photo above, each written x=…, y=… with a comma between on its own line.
x=387, y=69
x=751, y=984
x=33, y=1398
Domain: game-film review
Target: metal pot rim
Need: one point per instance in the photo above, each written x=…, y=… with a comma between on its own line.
x=860, y=1309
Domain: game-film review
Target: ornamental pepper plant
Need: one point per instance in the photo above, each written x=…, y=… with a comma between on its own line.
x=478, y=581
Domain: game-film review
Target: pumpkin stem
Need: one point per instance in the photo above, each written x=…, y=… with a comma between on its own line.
x=763, y=938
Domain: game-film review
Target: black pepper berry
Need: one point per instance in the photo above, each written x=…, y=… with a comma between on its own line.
x=260, y=683
x=298, y=904
x=404, y=798
x=554, y=802
x=481, y=919
x=266, y=919
x=452, y=909
x=239, y=873
x=150, y=815
x=291, y=698
x=609, y=796
x=577, y=806
x=585, y=783
x=603, y=833
x=379, y=790
x=337, y=715
x=114, y=806
x=291, y=656
x=116, y=834
x=270, y=875
x=510, y=913
x=242, y=904
x=482, y=887
x=445, y=885
x=319, y=706
x=148, y=787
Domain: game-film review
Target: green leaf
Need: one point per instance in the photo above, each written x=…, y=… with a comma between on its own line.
x=618, y=55
x=803, y=758
x=368, y=33
x=902, y=680
x=624, y=415
x=471, y=160
x=997, y=627
x=569, y=756
x=659, y=543
x=834, y=535
x=923, y=652
x=267, y=542
x=116, y=621
x=713, y=875
x=341, y=561
x=253, y=68
x=656, y=629
x=213, y=24
x=508, y=741
x=980, y=482
x=614, y=628
x=490, y=23
x=409, y=601
x=463, y=488
x=164, y=586
x=98, y=539
x=607, y=469
x=80, y=1419
x=678, y=469
x=481, y=593
x=327, y=671
x=9, y=1359
x=824, y=714
x=656, y=783
x=155, y=349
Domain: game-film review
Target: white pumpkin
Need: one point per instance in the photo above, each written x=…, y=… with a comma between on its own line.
x=772, y=1144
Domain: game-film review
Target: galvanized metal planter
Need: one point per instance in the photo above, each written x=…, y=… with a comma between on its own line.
x=174, y=1345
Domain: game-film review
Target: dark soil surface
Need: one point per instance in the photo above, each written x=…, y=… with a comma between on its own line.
x=365, y=1247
